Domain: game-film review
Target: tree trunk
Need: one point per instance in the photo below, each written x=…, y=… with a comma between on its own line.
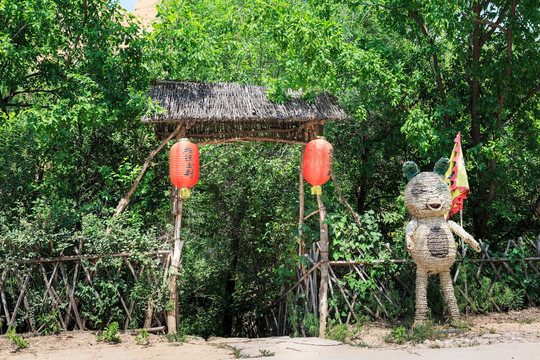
x=323, y=289
x=230, y=283
x=537, y=209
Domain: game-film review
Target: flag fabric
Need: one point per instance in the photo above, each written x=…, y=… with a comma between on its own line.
x=456, y=177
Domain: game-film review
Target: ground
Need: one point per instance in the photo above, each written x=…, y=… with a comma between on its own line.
x=513, y=335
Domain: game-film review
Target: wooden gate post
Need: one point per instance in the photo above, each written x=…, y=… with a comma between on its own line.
x=301, y=214
x=172, y=315
x=323, y=289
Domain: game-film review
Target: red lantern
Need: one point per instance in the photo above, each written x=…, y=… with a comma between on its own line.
x=318, y=163
x=184, y=166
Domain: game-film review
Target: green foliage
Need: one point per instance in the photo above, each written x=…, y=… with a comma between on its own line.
x=237, y=353
x=398, y=335
x=177, y=337
x=265, y=353
x=17, y=340
x=342, y=332
x=417, y=334
x=110, y=334
x=49, y=324
x=311, y=324
x=142, y=338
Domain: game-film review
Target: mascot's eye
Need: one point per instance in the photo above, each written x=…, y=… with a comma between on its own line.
x=442, y=187
x=418, y=190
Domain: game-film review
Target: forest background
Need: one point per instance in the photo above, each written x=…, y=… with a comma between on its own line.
x=410, y=74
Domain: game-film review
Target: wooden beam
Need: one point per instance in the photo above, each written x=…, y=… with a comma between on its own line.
x=247, y=139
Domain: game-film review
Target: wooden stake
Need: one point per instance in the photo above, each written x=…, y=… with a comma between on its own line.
x=21, y=295
x=25, y=301
x=4, y=302
x=323, y=289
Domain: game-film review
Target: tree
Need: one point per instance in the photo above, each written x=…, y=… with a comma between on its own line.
x=71, y=83
x=481, y=78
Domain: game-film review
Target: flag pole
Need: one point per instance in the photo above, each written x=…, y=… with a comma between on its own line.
x=463, y=252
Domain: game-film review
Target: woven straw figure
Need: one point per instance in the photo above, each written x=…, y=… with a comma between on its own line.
x=429, y=236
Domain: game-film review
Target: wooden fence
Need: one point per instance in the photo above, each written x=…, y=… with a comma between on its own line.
x=382, y=296
x=70, y=287
x=75, y=288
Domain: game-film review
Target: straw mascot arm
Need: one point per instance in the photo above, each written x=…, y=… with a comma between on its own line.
x=459, y=231
x=409, y=234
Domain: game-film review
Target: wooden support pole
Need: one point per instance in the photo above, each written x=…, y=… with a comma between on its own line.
x=301, y=214
x=172, y=315
x=323, y=288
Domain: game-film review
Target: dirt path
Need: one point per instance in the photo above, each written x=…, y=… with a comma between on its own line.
x=514, y=335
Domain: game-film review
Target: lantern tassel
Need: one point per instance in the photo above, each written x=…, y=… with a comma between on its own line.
x=184, y=193
x=316, y=190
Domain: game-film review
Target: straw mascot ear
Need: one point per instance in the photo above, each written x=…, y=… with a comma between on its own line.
x=441, y=166
x=410, y=170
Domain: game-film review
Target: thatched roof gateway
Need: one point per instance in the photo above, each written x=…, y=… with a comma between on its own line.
x=224, y=112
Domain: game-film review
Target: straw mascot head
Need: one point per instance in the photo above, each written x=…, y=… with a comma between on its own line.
x=426, y=193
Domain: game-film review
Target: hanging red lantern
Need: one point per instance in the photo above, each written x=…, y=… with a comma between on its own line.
x=184, y=166
x=317, y=165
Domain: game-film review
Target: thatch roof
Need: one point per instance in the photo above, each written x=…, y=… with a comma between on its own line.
x=228, y=111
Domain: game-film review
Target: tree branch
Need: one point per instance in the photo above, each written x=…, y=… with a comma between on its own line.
x=26, y=105
x=508, y=72
x=32, y=75
x=494, y=25
x=75, y=44
x=375, y=5
x=18, y=32
x=487, y=22
x=438, y=77
x=355, y=216
x=220, y=156
x=12, y=95
x=125, y=200
x=524, y=100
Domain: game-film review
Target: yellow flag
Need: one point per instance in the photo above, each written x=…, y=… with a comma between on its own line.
x=456, y=177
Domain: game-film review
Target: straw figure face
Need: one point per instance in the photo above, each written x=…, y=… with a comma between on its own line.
x=427, y=195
